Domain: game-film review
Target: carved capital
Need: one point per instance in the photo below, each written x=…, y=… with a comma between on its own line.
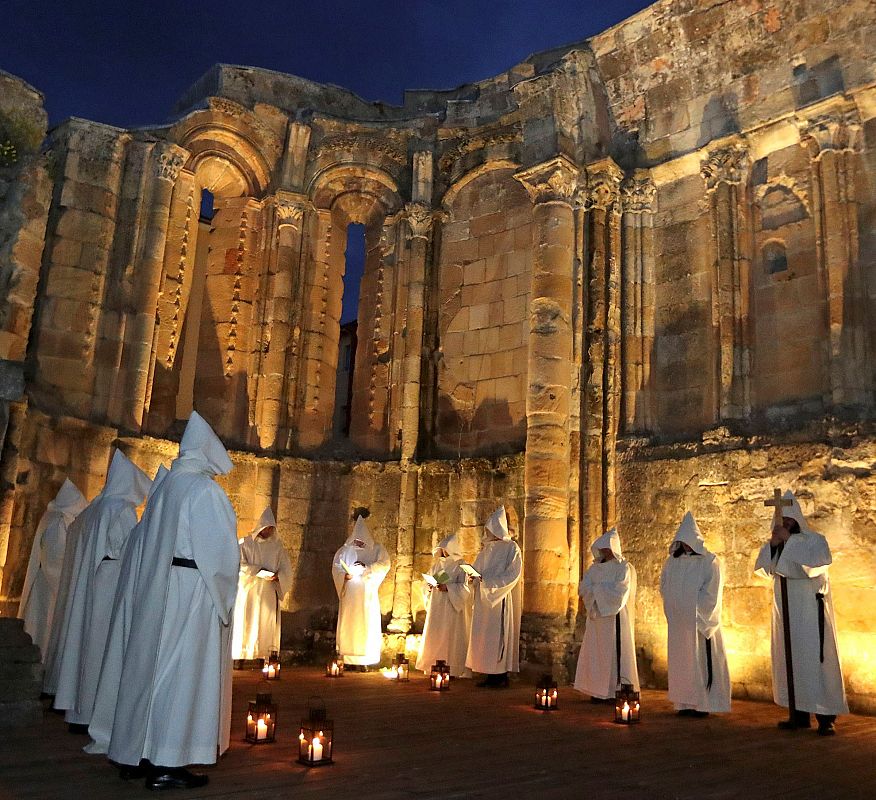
x=834, y=131
x=725, y=165
x=638, y=193
x=554, y=181
x=420, y=218
x=603, y=186
x=169, y=162
x=290, y=208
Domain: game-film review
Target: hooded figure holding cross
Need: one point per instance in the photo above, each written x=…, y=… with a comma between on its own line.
x=796, y=559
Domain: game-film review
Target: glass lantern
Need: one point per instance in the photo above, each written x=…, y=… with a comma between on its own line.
x=439, y=678
x=335, y=668
x=403, y=668
x=546, y=695
x=626, y=705
x=315, y=737
x=261, y=719
x=271, y=669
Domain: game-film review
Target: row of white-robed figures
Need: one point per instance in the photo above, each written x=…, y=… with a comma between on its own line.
x=134, y=619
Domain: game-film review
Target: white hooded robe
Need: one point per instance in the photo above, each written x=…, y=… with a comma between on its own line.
x=359, y=637
x=101, y=726
x=692, y=587
x=608, y=591
x=804, y=561
x=448, y=614
x=174, y=700
x=106, y=522
x=40, y=589
x=257, y=609
x=494, y=647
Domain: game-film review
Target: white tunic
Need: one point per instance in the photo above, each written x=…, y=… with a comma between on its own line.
x=40, y=589
x=494, y=647
x=804, y=561
x=448, y=614
x=257, y=610
x=107, y=522
x=174, y=701
x=359, y=637
x=609, y=592
x=692, y=586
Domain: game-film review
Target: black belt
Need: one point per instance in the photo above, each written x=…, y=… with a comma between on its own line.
x=184, y=562
x=820, y=599
x=709, y=663
x=617, y=645
x=109, y=558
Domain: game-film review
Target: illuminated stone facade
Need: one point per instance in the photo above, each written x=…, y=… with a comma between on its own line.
x=624, y=279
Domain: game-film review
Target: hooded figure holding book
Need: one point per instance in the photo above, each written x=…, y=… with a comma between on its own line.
x=358, y=569
x=265, y=578
x=448, y=610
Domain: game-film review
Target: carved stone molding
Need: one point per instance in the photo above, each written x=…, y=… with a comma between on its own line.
x=169, y=162
x=290, y=208
x=471, y=144
x=786, y=185
x=554, y=181
x=834, y=131
x=638, y=193
x=725, y=165
x=331, y=145
x=420, y=218
x=604, y=186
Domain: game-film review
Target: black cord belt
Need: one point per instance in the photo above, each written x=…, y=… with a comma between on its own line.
x=109, y=558
x=184, y=562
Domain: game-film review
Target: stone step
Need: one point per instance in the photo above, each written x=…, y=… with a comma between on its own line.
x=21, y=654
x=25, y=687
x=20, y=669
x=18, y=713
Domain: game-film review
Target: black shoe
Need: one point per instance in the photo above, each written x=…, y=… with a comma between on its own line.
x=698, y=714
x=75, y=727
x=131, y=773
x=826, y=729
x=602, y=701
x=685, y=712
x=794, y=724
x=501, y=682
x=484, y=683
x=175, y=778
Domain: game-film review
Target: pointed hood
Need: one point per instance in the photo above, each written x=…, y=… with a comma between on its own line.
x=69, y=501
x=689, y=533
x=795, y=512
x=609, y=539
x=266, y=520
x=201, y=447
x=361, y=532
x=126, y=480
x=450, y=544
x=160, y=475
x=497, y=524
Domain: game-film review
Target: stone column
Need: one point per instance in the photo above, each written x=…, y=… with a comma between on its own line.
x=602, y=402
x=725, y=172
x=637, y=301
x=167, y=160
x=551, y=186
x=834, y=141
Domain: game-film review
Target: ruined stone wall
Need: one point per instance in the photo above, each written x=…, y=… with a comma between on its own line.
x=723, y=484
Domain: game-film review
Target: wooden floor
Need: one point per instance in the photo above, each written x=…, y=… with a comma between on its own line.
x=402, y=741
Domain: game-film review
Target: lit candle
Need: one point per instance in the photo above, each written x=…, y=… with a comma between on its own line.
x=625, y=712
x=438, y=681
x=262, y=729
x=316, y=750
x=271, y=671
x=334, y=669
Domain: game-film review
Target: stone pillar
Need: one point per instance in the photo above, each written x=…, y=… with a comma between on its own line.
x=551, y=186
x=603, y=338
x=295, y=159
x=725, y=172
x=637, y=301
x=279, y=320
x=140, y=330
x=834, y=141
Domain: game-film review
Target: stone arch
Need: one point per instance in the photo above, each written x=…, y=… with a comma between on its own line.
x=460, y=183
x=331, y=184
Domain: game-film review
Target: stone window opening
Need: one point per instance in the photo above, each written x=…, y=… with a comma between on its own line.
x=354, y=267
x=207, y=210
x=774, y=257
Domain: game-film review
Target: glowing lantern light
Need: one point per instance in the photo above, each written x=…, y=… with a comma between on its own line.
x=626, y=705
x=271, y=669
x=546, y=694
x=335, y=668
x=439, y=678
x=316, y=736
x=261, y=719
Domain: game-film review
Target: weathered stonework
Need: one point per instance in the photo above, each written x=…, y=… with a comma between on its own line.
x=623, y=279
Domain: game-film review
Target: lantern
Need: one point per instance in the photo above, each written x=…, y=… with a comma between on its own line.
x=546, y=694
x=315, y=737
x=403, y=668
x=261, y=719
x=335, y=668
x=439, y=678
x=626, y=705
x=271, y=669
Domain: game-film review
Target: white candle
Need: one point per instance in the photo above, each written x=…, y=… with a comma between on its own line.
x=316, y=750
x=438, y=681
x=548, y=698
x=271, y=671
x=262, y=729
x=625, y=711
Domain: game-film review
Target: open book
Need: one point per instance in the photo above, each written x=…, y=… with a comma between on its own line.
x=469, y=570
x=436, y=580
x=354, y=570
x=265, y=573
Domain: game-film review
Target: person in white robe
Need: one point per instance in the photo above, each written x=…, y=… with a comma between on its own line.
x=448, y=611
x=259, y=594
x=174, y=700
x=494, y=645
x=608, y=590
x=37, y=605
x=107, y=523
x=802, y=556
x=358, y=569
x=101, y=725
x=692, y=586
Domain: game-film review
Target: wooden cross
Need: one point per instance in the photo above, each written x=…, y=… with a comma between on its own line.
x=778, y=503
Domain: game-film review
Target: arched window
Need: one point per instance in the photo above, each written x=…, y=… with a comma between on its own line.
x=354, y=267
x=774, y=257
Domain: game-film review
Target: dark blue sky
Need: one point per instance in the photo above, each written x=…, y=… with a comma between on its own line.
x=127, y=63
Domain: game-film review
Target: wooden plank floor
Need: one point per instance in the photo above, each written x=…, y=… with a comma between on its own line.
x=402, y=741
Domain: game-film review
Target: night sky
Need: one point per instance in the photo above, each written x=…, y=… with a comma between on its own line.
x=126, y=64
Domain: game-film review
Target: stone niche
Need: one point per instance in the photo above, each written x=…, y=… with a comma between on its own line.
x=625, y=278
